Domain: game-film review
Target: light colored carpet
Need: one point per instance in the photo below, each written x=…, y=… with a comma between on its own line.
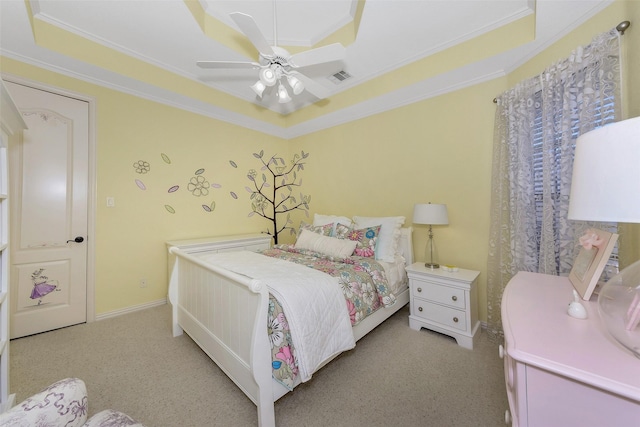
x=394, y=377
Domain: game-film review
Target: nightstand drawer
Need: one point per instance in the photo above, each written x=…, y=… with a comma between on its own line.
x=440, y=314
x=453, y=297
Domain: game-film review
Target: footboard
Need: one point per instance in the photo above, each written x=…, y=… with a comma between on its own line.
x=226, y=315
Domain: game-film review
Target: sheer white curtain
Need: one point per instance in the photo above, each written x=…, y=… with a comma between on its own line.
x=536, y=125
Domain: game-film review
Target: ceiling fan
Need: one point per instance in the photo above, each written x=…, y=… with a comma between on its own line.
x=277, y=65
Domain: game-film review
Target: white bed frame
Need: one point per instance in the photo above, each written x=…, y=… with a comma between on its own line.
x=226, y=315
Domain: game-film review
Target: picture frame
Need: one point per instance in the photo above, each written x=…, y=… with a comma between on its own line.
x=588, y=266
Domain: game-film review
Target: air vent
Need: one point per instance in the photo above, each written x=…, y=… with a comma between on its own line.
x=339, y=77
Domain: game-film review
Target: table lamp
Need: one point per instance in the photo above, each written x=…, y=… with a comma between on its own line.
x=606, y=187
x=430, y=214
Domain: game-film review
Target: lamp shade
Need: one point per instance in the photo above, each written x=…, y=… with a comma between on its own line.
x=606, y=174
x=432, y=214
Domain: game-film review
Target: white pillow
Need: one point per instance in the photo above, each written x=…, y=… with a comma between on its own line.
x=389, y=236
x=319, y=219
x=326, y=245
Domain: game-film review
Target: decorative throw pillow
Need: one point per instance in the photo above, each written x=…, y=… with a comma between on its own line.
x=366, y=238
x=319, y=219
x=324, y=229
x=342, y=231
x=389, y=234
x=325, y=245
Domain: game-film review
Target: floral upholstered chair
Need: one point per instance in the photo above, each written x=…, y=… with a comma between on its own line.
x=64, y=403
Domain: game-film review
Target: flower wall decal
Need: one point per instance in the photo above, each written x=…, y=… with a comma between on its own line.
x=272, y=192
x=198, y=185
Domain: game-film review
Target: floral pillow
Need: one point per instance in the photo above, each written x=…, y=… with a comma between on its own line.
x=324, y=230
x=366, y=238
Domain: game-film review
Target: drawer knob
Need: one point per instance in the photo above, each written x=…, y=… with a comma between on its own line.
x=419, y=308
x=455, y=298
x=455, y=320
x=419, y=289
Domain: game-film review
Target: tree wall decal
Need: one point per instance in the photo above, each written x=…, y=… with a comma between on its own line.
x=272, y=194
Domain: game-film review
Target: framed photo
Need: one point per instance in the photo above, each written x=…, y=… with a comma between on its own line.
x=589, y=264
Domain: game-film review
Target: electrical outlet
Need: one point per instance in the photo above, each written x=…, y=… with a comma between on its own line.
x=143, y=283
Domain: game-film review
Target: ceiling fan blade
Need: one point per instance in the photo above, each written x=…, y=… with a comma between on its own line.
x=315, y=89
x=227, y=64
x=250, y=29
x=328, y=53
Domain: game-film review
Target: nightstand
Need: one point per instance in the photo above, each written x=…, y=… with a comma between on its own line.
x=444, y=302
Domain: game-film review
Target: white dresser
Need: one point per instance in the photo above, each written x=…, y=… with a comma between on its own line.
x=444, y=302
x=561, y=371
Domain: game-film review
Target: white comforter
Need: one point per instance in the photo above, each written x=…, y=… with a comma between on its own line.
x=312, y=301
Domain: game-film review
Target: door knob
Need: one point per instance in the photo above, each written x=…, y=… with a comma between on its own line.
x=78, y=239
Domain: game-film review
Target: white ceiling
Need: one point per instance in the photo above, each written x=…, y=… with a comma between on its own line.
x=389, y=35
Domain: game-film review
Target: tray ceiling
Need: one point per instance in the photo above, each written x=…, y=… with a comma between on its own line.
x=397, y=51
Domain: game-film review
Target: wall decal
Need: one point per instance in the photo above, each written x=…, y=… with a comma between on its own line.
x=142, y=167
x=198, y=185
x=42, y=285
x=272, y=192
x=209, y=208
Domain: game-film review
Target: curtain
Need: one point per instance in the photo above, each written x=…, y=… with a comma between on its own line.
x=536, y=126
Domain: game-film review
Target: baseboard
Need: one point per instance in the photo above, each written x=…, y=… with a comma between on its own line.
x=131, y=309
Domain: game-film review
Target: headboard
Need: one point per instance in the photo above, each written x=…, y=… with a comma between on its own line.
x=405, y=245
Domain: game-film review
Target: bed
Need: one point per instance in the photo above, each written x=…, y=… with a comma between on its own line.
x=226, y=313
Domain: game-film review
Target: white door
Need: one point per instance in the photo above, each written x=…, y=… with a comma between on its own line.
x=49, y=187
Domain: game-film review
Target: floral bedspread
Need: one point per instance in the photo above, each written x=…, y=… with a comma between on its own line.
x=364, y=285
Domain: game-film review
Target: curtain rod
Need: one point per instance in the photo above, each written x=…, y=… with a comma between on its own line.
x=621, y=27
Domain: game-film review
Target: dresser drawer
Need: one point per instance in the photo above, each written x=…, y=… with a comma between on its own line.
x=440, y=314
x=510, y=369
x=447, y=295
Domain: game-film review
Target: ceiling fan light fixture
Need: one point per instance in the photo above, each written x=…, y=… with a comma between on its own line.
x=295, y=84
x=258, y=87
x=274, y=63
x=268, y=76
x=283, y=95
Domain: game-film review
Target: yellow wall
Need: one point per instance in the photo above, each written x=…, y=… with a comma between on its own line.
x=130, y=236
x=440, y=150
x=437, y=150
